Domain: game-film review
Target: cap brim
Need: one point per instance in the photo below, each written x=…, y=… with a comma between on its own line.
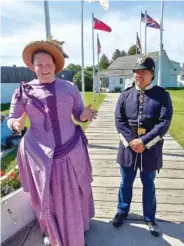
x=140, y=67
x=31, y=48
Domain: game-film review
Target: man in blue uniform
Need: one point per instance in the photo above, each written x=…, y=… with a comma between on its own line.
x=143, y=116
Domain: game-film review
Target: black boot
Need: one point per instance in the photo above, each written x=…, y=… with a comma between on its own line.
x=153, y=228
x=119, y=219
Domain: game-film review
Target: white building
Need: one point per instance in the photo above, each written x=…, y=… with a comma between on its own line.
x=120, y=75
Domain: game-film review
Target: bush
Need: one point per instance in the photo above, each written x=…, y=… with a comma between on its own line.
x=11, y=184
x=117, y=89
x=88, y=77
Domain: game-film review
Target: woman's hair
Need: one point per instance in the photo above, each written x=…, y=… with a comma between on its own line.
x=42, y=52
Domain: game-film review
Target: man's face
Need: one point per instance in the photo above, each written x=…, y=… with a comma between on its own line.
x=44, y=67
x=143, y=78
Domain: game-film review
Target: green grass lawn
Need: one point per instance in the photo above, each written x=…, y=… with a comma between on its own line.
x=5, y=108
x=177, y=125
x=9, y=161
x=95, y=105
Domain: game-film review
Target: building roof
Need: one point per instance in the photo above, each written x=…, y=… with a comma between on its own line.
x=116, y=72
x=127, y=62
x=17, y=74
x=123, y=66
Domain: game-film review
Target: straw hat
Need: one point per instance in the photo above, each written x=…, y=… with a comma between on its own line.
x=53, y=47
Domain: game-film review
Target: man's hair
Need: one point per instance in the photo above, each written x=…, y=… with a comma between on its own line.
x=41, y=52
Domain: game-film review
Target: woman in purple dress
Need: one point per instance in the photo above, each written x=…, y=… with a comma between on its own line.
x=52, y=157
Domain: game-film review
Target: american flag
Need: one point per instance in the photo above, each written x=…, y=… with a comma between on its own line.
x=138, y=45
x=142, y=17
x=98, y=45
x=150, y=22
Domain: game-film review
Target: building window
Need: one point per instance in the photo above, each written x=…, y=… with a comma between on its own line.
x=121, y=81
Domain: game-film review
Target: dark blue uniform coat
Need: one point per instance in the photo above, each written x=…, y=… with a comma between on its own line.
x=152, y=110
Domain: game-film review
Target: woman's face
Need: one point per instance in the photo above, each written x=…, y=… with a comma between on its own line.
x=143, y=78
x=44, y=67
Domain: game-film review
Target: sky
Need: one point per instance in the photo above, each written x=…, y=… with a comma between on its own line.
x=24, y=21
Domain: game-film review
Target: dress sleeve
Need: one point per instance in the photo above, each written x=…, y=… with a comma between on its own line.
x=78, y=105
x=16, y=107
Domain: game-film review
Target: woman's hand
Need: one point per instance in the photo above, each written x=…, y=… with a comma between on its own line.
x=88, y=114
x=19, y=124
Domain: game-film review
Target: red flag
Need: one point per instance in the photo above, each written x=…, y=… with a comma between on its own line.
x=99, y=25
x=98, y=45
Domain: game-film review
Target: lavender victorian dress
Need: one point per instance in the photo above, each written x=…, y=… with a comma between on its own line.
x=53, y=159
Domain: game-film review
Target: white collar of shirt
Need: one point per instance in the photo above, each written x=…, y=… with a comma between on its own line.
x=148, y=87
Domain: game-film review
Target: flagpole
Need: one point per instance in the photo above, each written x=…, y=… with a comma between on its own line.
x=82, y=51
x=47, y=19
x=140, y=31
x=145, y=31
x=136, y=42
x=98, y=53
x=93, y=59
x=161, y=45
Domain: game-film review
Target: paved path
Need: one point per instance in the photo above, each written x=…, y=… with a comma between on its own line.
x=103, y=144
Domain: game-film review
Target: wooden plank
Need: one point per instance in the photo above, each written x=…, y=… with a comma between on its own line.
x=163, y=196
x=114, y=150
x=108, y=213
x=100, y=139
x=112, y=164
x=110, y=156
x=161, y=183
x=137, y=206
x=115, y=172
x=160, y=200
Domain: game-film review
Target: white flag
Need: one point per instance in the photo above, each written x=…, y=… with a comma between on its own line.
x=104, y=3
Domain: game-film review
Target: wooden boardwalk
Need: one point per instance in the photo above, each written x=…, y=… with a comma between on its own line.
x=103, y=146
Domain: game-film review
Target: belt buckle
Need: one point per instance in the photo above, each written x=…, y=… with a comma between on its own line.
x=141, y=131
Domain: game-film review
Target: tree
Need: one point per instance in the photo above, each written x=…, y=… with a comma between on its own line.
x=88, y=78
x=104, y=62
x=90, y=69
x=123, y=53
x=74, y=68
x=116, y=54
x=132, y=50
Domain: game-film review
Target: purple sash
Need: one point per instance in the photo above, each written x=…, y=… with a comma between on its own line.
x=68, y=146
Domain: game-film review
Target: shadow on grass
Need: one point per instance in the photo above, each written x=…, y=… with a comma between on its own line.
x=5, y=107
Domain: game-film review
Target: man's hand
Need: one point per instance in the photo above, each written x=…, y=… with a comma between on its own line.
x=88, y=114
x=19, y=124
x=137, y=145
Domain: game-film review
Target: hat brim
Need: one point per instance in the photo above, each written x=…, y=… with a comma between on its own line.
x=31, y=48
x=140, y=67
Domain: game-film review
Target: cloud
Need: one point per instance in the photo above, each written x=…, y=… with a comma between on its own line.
x=22, y=12
x=124, y=27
